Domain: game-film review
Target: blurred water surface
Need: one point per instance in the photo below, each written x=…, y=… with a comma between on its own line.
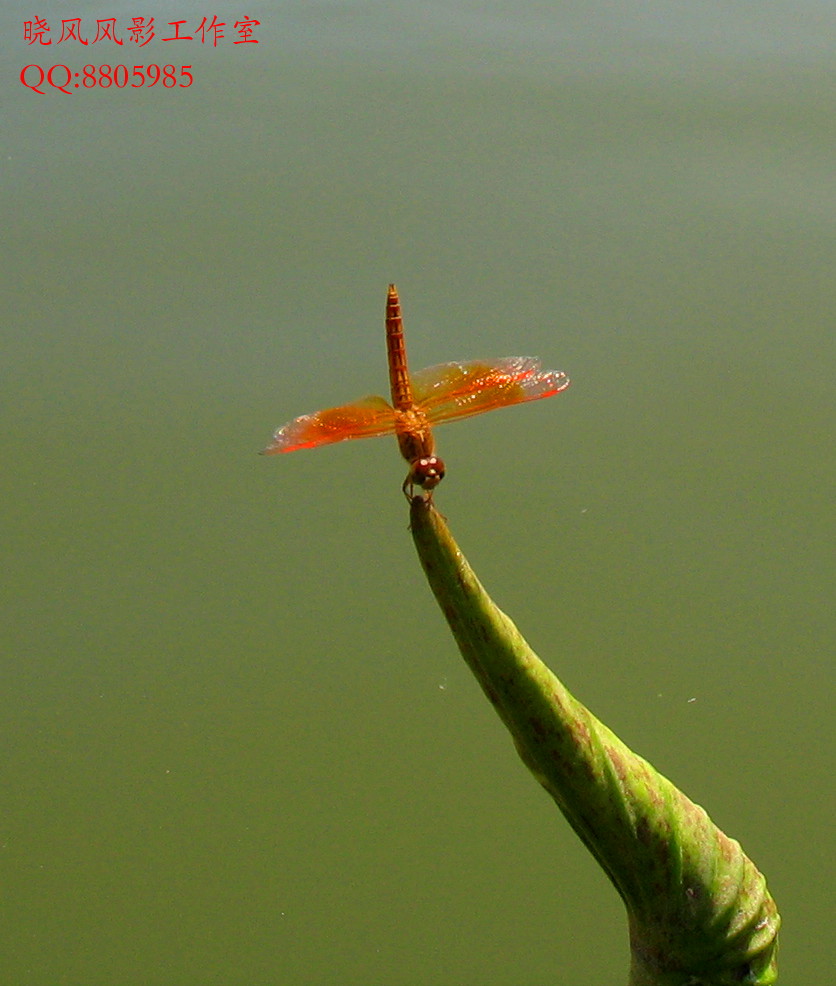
x=239, y=745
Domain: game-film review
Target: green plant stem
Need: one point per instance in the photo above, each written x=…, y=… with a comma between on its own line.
x=698, y=910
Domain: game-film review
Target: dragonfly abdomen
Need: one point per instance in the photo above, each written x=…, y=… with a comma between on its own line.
x=396, y=350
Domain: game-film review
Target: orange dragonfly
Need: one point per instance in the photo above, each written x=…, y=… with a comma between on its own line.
x=419, y=401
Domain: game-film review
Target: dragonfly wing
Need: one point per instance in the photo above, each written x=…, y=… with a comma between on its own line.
x=365, y=418
x=451, y=391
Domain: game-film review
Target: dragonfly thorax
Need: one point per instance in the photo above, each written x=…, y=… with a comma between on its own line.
x=415, y=438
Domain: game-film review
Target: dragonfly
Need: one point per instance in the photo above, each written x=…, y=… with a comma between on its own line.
x=433, y=396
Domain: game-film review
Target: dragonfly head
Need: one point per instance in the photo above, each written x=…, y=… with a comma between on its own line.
x=426, y=472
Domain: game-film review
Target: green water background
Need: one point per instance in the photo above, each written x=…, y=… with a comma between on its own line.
x=239, y=745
